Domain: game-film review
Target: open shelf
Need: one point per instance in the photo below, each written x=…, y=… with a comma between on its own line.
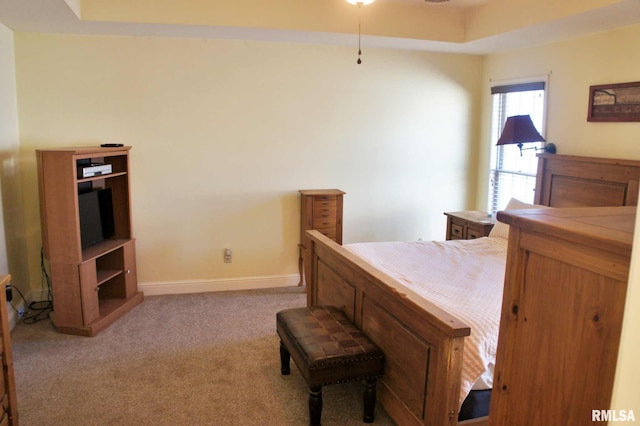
x=101, y=177
x=102, y=248
x=104, y=276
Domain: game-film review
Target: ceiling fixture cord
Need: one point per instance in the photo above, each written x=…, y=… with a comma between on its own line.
x=359, y=61
x=360, y=3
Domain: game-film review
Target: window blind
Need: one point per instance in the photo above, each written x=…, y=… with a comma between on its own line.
x=512, y=174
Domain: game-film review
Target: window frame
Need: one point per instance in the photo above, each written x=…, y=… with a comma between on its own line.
x=497, y=154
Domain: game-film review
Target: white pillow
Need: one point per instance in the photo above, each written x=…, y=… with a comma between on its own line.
x=500, y=229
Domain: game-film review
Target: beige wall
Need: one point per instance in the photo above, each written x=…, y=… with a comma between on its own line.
x=12, y=235
x=609, y=57
x=625, y=390
x=8, y=123
x=224, y=133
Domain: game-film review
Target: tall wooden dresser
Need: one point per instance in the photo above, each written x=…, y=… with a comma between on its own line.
x=320, y=209
x=563, y=302
x=9, y=414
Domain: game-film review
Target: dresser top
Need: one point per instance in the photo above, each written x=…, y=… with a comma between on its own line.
x=321, y=192
x=474, y=216
x=80, y=150
x=610, y=228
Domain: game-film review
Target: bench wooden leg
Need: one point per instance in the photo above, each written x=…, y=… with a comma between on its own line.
x=315, y=405
x=369, y=400
x=284, y=359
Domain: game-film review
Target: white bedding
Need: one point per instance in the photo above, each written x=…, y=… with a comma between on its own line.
x=463, y=277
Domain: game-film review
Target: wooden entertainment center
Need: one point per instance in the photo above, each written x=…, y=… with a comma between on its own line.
x=95, y=285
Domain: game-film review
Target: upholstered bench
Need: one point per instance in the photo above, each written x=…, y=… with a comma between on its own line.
x=328, y=349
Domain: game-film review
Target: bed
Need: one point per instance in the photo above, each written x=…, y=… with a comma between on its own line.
x=424, y=344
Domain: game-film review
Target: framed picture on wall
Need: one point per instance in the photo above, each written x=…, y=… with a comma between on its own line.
x=614, y=102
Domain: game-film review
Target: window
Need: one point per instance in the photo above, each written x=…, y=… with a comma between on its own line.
x=512, y=174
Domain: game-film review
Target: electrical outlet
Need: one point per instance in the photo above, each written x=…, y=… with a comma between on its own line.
x=21, y=311
x=227, y=255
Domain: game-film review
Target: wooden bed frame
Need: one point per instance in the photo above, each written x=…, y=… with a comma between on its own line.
x=422, y=343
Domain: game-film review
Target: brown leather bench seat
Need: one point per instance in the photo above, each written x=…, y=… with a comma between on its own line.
x=328, y=349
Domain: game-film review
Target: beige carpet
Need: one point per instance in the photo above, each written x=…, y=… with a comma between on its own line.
x=193, y=359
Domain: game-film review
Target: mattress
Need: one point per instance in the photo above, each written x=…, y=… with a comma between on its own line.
x=463, y=277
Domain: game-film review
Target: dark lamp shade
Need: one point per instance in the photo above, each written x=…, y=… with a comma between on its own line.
x=519, y=129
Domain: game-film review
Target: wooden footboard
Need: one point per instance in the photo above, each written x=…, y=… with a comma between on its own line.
x=422, y=343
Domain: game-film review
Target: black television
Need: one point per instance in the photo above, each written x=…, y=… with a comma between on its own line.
x=96, y=217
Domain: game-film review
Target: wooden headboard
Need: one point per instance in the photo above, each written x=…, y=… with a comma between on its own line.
x=572, y=181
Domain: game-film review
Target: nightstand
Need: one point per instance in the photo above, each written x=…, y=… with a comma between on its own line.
x=468, y=225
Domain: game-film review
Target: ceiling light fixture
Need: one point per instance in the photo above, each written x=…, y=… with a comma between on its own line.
x=360, y=3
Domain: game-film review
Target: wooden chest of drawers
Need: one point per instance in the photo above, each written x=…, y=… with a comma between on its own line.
x=468, y=225
x=320, y=209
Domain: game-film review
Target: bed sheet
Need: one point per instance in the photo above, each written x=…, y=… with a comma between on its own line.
x=463, y=277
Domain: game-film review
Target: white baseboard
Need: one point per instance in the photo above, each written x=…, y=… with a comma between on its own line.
x=156, y=288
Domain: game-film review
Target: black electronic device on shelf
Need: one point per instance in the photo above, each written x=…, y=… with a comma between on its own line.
x=96, y=217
